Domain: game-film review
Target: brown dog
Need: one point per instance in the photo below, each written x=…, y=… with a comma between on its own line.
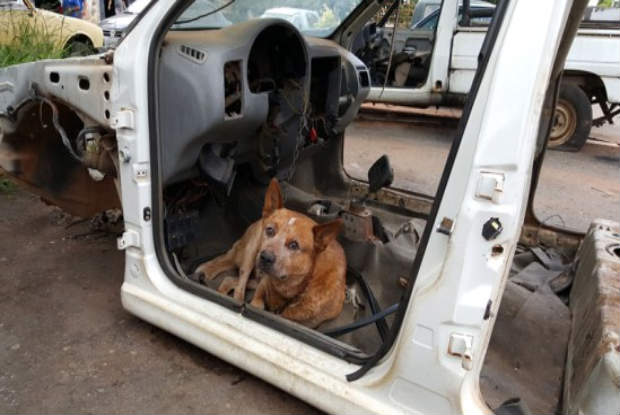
x=300, y=264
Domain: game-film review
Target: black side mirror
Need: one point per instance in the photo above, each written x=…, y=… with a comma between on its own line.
x=380, y=174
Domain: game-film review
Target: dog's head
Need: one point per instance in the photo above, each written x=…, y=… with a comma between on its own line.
x=290, y=241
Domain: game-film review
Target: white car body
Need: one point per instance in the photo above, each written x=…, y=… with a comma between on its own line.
x=418, y=375
x=434, y=363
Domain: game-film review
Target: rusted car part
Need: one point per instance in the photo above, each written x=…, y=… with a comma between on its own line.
x=525, y=358
x=415, y=205
x=537, y=348
x=55, y=119
x=592, y=377
x=34, y=153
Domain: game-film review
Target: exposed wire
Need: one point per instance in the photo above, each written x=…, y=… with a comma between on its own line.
x=544, y=222
x=58, y=127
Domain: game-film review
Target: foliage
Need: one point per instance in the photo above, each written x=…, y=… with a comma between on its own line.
x=28, y=42
x=605, y=3
x=6, y=186
x=406, y=13
x=327, y=18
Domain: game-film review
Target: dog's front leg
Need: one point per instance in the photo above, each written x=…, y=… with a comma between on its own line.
x=258, y=300
x=247, y=258
x=302, y=311
x=244, y=274
x=216, y=266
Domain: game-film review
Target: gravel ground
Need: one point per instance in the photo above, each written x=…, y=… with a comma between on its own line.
x=66, y=344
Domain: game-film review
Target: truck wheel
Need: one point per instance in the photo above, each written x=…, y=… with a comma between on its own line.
x=572, y=120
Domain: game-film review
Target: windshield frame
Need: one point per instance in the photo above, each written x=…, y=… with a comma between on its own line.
x=135, y=4
x=325, y=33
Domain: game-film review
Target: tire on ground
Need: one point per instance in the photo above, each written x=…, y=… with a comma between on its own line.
x=80, y=47
x=572, y=120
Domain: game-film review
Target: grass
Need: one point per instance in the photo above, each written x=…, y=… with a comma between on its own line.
x=28, y=42
x=7, y=186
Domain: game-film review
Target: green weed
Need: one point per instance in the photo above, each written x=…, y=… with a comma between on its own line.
x=7, y=186
x=27, y=41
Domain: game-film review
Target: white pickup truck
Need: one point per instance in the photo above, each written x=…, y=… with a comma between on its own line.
x=434, y=61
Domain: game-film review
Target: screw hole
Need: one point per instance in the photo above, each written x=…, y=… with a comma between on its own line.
x=54, y=77
x=106, y=95
x=497, y=250
x=107, y=114
x=106, y=77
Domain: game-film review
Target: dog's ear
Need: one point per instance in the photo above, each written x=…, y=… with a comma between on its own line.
x=325, y=233
x=273, y=198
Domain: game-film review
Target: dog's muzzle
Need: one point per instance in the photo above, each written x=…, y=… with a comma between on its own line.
x=266, y=259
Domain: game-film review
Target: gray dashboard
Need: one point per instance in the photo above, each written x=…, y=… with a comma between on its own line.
x=256, y=93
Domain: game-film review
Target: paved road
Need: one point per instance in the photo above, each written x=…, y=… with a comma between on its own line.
x=574, y=187
x=66, y=344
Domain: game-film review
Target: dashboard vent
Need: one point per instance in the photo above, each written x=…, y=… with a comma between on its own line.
x=192, y=54
x=364, y=79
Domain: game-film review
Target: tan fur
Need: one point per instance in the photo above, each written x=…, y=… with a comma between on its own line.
x=305, y=284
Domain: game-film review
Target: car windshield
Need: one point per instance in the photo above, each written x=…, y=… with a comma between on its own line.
x=312, y=17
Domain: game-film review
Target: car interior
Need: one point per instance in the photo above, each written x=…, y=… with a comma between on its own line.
x=283, y=115
x=278, y=106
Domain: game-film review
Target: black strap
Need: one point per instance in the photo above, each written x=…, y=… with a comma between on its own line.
x=382, y=325
x=377, y=317
x=339, y=331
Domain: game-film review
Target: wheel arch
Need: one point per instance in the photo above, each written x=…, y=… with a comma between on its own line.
x=79, y=37
x=589, y=82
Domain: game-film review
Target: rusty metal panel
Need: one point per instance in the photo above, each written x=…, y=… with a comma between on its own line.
x=592, y=377
x=33, y=154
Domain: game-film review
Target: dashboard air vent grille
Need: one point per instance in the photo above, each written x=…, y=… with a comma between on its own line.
x=192, y=54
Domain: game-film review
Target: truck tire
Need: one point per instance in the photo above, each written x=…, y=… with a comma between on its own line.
x=572, y=120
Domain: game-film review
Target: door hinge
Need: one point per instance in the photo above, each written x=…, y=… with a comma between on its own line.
x=129, y=238
x=490, y=186
x=124, y=119
x=461, y=345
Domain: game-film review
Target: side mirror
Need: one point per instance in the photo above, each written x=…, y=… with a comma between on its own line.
x=380, y=174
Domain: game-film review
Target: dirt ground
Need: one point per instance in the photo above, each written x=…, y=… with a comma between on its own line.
x=66, y=344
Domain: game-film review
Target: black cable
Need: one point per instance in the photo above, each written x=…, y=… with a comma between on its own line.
x=193, y=19
x=382, y=325
x=339, y=331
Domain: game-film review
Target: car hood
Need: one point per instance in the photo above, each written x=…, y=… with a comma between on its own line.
x=117, y=23
x=66, y=27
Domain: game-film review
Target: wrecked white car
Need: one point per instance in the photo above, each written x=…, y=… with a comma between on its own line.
x=184, y=124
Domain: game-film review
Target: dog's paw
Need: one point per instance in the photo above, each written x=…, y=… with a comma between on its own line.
x=258, y=303
x=239, y=294
x=227, y=285
x=208, y=271
x=197, y=277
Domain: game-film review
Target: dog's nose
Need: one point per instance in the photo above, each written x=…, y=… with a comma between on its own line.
x=267, y=258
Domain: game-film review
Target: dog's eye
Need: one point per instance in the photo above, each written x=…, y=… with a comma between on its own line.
x=270, y=231
x=293, y=245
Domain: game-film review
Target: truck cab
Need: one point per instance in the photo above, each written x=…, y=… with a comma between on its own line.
x=430, y=66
